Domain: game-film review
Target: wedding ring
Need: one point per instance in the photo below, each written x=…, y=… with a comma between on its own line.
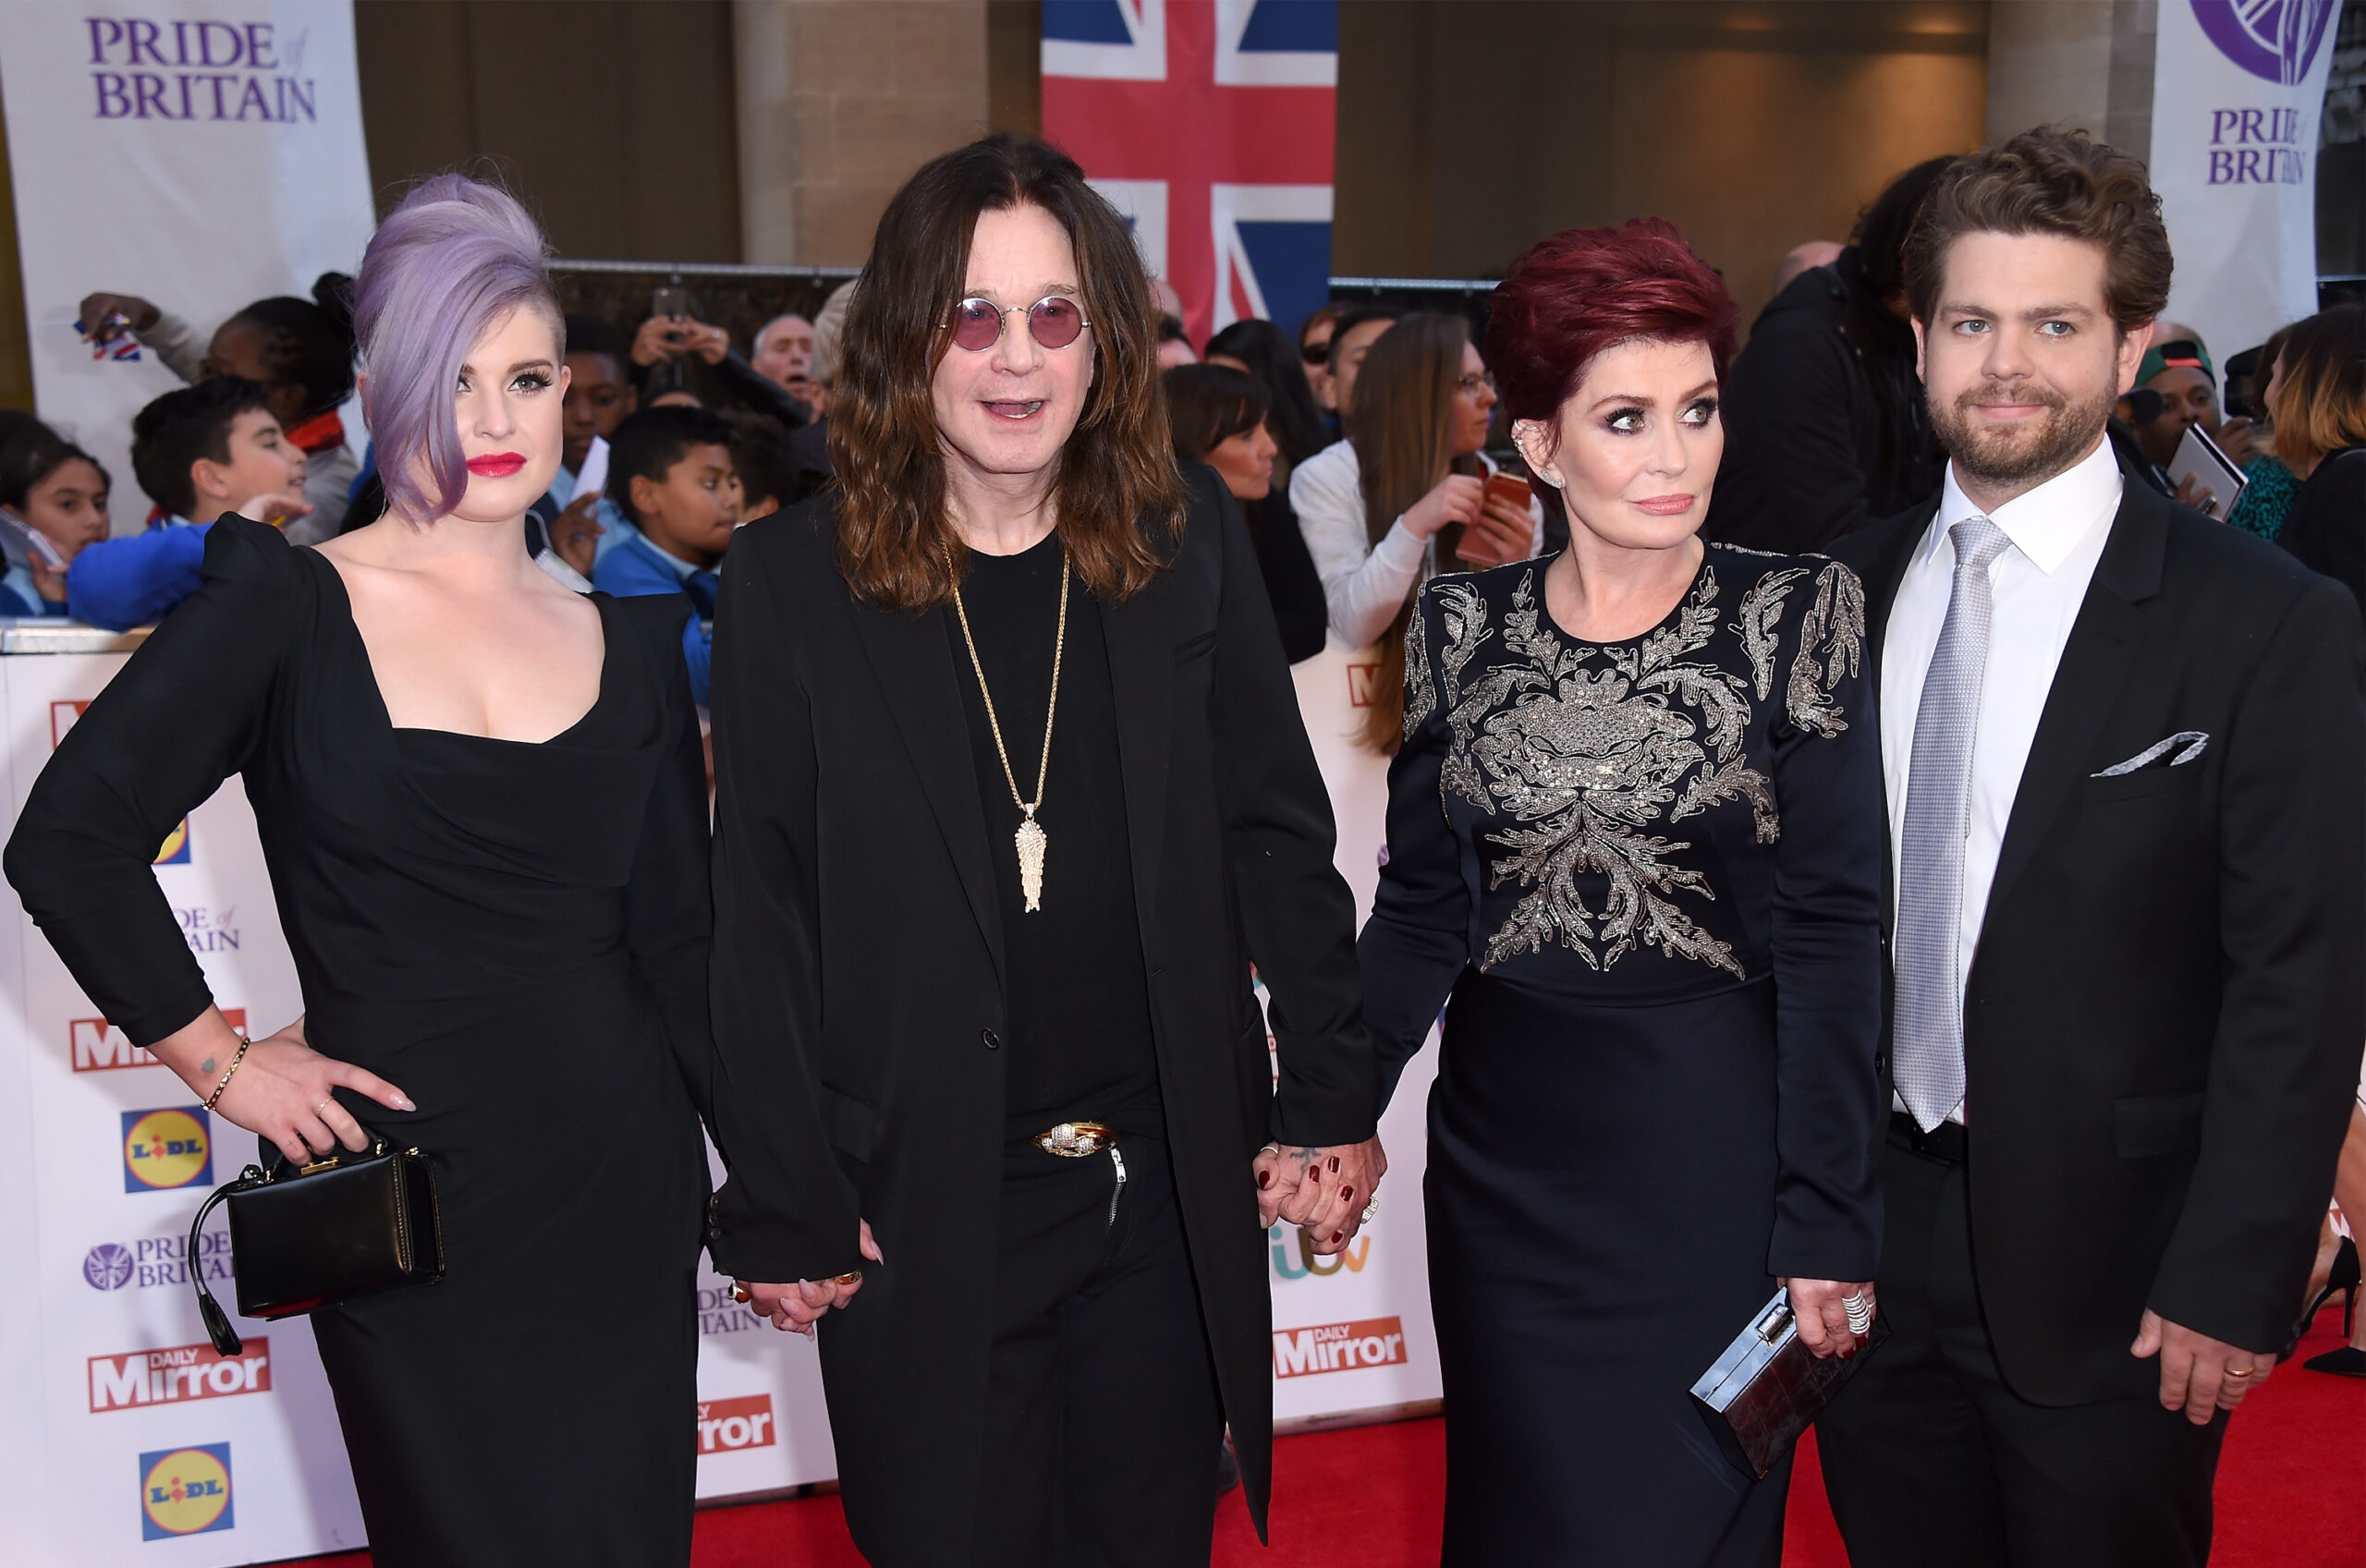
x=1372, y=1210
x=2244, y=1373
x=739, y=1293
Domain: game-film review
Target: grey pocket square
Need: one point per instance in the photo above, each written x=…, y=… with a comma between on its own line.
x=2192, y=740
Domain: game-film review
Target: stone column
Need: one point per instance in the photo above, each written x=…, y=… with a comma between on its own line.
x=2082, y=62
x=839, y=101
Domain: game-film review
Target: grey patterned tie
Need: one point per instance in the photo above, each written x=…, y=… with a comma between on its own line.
x=1929, y=1045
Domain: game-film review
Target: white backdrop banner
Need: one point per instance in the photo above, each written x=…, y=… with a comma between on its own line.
x=116, y=1415
x=2238, y=87
x=198, y=153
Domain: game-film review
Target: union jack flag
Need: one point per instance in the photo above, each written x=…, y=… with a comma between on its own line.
x=1211, y=124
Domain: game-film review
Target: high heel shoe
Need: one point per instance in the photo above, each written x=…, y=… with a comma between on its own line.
x=2343, y=1279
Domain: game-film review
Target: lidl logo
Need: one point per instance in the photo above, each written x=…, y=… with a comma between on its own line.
x=727, y=1425
x=175, y=849
x=185, y=1491
x=163, y=1150
x=1339, y=1347
x=99, y=1047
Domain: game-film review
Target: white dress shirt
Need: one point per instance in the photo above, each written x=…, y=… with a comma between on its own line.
x=2058, y=532
x=1363, y=584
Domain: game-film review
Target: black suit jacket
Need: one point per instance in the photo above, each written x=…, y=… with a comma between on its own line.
x=2164, y=1017
x=858, y=990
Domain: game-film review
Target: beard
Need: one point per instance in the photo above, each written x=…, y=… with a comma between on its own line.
x=2029, y=454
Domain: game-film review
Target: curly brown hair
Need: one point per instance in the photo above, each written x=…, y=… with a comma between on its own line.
x=2049, y=181
x=1117, y=494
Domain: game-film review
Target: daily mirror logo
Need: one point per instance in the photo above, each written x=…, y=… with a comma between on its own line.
x=1339, y=1347
x=99, y=1047
x=180, y=1373
x=726, y=1426
x=185, y=1491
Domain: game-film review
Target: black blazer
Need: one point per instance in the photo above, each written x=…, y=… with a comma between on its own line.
x=2164, y=1017
x=857, y=993
x=2325, y=530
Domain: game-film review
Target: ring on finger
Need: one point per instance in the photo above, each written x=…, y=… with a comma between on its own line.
x=2245, y=1372
x=1372, y=1210
x=739, y=1293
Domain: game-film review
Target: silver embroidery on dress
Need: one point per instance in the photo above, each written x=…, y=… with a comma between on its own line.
x=1586, y=761
x=1833, y=628
x=1420, y=697
x=1761, y=609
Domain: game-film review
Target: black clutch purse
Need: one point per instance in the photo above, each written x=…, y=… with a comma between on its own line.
x=311, y=1235
x=1761, y=1393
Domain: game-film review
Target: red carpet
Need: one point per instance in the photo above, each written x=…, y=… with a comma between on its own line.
x=2291, y=1494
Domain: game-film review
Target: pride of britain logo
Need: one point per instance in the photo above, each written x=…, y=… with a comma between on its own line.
x=2275, y=40
x=185, y=1491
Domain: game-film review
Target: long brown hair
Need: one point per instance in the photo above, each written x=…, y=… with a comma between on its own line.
x=1403, y=429
x=1118, y=492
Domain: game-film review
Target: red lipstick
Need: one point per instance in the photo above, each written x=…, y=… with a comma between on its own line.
x=496, y=465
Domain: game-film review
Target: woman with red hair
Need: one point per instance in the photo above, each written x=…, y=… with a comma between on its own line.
x=1635, y=843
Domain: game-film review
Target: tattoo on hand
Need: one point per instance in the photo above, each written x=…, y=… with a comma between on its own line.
x=1305, y=1156
x=206, y=1065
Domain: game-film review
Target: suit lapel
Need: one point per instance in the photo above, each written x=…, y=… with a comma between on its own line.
x=1140, y=638
x=914, y=663
x=2088, y=683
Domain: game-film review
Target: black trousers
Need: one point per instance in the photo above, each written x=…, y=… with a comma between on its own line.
x=1102, y=1422
x=1932, y=1461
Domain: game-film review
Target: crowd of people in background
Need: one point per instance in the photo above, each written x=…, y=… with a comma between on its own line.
x=1368, y=454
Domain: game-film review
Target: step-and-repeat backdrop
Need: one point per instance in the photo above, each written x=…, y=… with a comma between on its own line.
x=124, y=1429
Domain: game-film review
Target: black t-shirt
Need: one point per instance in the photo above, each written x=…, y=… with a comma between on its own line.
x=1077, y=1023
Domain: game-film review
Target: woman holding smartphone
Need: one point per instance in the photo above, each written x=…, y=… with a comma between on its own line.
x=1376, y=508
x=484, y=805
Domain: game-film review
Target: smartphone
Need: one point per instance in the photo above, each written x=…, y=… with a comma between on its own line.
x=670, y=301
x=1507, y=489
x=35, y=541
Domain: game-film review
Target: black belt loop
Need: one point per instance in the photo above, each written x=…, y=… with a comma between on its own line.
x=1946, y=1141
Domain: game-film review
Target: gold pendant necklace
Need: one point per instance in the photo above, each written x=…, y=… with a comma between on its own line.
x=1030, y=838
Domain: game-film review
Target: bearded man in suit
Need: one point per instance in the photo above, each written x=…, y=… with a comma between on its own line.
x=2124, y=754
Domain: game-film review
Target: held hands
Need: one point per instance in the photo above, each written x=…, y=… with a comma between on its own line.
x=795, y=1308
x=1322, y=1190
x=2199, y=1375
x=1821, y=1310
x=1454, y=499
x=284, y=1090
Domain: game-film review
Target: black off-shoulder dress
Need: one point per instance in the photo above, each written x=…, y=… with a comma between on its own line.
x=516, y=936
x=1649, y=872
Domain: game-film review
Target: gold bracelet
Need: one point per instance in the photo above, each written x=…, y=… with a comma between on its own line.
x=212, y=1099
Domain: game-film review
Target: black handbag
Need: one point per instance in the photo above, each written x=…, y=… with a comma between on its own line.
x=303, y=1236
x=1762, y=1393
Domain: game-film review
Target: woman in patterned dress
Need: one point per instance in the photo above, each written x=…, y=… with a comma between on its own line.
x=1635, y=833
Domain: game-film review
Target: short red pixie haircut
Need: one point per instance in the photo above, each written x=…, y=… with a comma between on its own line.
x=1587, y=289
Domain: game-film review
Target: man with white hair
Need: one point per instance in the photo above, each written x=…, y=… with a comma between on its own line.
x=785, y=355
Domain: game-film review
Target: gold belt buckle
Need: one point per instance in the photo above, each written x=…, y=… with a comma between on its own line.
x=1077, y=1140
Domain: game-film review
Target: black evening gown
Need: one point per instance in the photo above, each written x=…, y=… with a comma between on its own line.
x=1649, y=873
x=513, y=934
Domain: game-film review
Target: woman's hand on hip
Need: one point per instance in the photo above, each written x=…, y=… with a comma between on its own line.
x=1454, y=499
x=285, y=1091
x=1822, y=1308
x=795, y=1306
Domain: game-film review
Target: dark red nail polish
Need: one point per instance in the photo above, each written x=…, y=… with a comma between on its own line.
x=1335, y=1164
x=1347, y=1195
x=1336, y=1235
x=1264, y=1178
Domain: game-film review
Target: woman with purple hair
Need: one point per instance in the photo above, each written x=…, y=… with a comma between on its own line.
x=483, y=805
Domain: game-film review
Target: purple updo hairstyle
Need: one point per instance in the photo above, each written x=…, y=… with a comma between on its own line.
x=452, y=260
